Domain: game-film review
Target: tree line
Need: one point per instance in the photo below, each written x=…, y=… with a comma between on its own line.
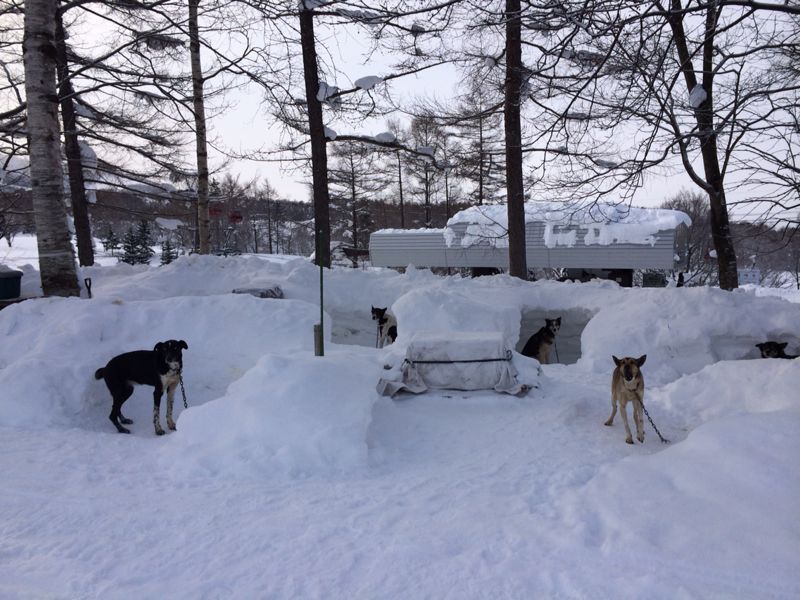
x=577, y=100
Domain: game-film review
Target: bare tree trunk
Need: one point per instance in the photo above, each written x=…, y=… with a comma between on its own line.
x=355, y=208
x=269, y=223
x=480, y=156
x=720, y=224
x=72, y=149
x=517, y=260
x=319, y=156
x=204, y=231
x=427, y=198
x=400, y=183
x=56, y=258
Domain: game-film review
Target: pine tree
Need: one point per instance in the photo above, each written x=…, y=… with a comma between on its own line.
x=130, y=247
x=143, y=240
x=168, y=252
x=136, y=248
x=111, y=241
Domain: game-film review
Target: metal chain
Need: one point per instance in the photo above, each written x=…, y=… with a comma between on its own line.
x=662, y=438
x=183, y=391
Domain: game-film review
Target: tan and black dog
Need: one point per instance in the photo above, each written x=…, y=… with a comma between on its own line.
x=627, y=385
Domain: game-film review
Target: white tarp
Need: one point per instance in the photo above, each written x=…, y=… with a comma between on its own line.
x=479, y=360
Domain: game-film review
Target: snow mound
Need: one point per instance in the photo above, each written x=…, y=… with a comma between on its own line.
x=683, y=330
x=52, y=348
x=295, y=415
x=671, y=503
x=445, y=310
x=740, y=387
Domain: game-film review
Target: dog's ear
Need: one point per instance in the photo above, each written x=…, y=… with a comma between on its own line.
x=616, y=360
x=641, y=359
x=558, y=321
x=783, y=345
x=760, y=346
x=183, y=344
x=158, y=347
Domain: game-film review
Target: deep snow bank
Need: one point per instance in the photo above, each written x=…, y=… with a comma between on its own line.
x=681, y=330
x=293, y=415
x=51, y=349
x=739, y=387
x=196, y=275
x=732, y=484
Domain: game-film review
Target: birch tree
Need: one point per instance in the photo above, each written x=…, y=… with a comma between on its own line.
x=56, y=257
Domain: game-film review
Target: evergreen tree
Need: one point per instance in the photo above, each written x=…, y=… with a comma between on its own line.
x=143, y=239
x=111, y=241
x=130, y=247
x=168, y=252
x=136, y=248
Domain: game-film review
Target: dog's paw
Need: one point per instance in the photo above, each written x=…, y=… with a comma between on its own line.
x=629, y=441
x=126, y=421
x=124, y=430
x=608, y=423
x=641, y=439
x=159, y=432
x=171, y=425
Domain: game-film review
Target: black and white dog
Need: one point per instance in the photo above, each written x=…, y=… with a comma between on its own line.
x=539, y=344
x=774, y=350
x=387, y=325
x=160, y=367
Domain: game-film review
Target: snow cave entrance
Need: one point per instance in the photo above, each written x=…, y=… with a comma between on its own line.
x=568, y=340
x=354, y=328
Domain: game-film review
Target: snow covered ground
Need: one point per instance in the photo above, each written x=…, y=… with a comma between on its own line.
x=289, y=477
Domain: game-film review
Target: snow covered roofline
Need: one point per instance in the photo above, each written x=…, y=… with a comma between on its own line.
x=604, y=224
x=600, y=236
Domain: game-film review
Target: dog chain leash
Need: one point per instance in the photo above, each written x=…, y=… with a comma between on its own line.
x=662, y=438
x=186, y=405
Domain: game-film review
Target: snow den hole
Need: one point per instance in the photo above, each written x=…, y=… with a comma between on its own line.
x=568, y=340
x=354, y=328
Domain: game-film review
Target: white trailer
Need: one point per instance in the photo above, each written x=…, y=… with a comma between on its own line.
x=599, y=237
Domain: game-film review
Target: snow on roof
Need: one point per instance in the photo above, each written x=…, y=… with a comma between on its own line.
x=605, y=223
x=170, y=224
x=422, y=230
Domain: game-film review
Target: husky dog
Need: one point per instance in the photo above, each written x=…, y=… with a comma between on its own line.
x=387, y=325
x=627, y=385
x=160, y=367
x=539, y=344
x=774, y=350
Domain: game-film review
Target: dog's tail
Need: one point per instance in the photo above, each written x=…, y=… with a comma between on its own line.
x=99, y=373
